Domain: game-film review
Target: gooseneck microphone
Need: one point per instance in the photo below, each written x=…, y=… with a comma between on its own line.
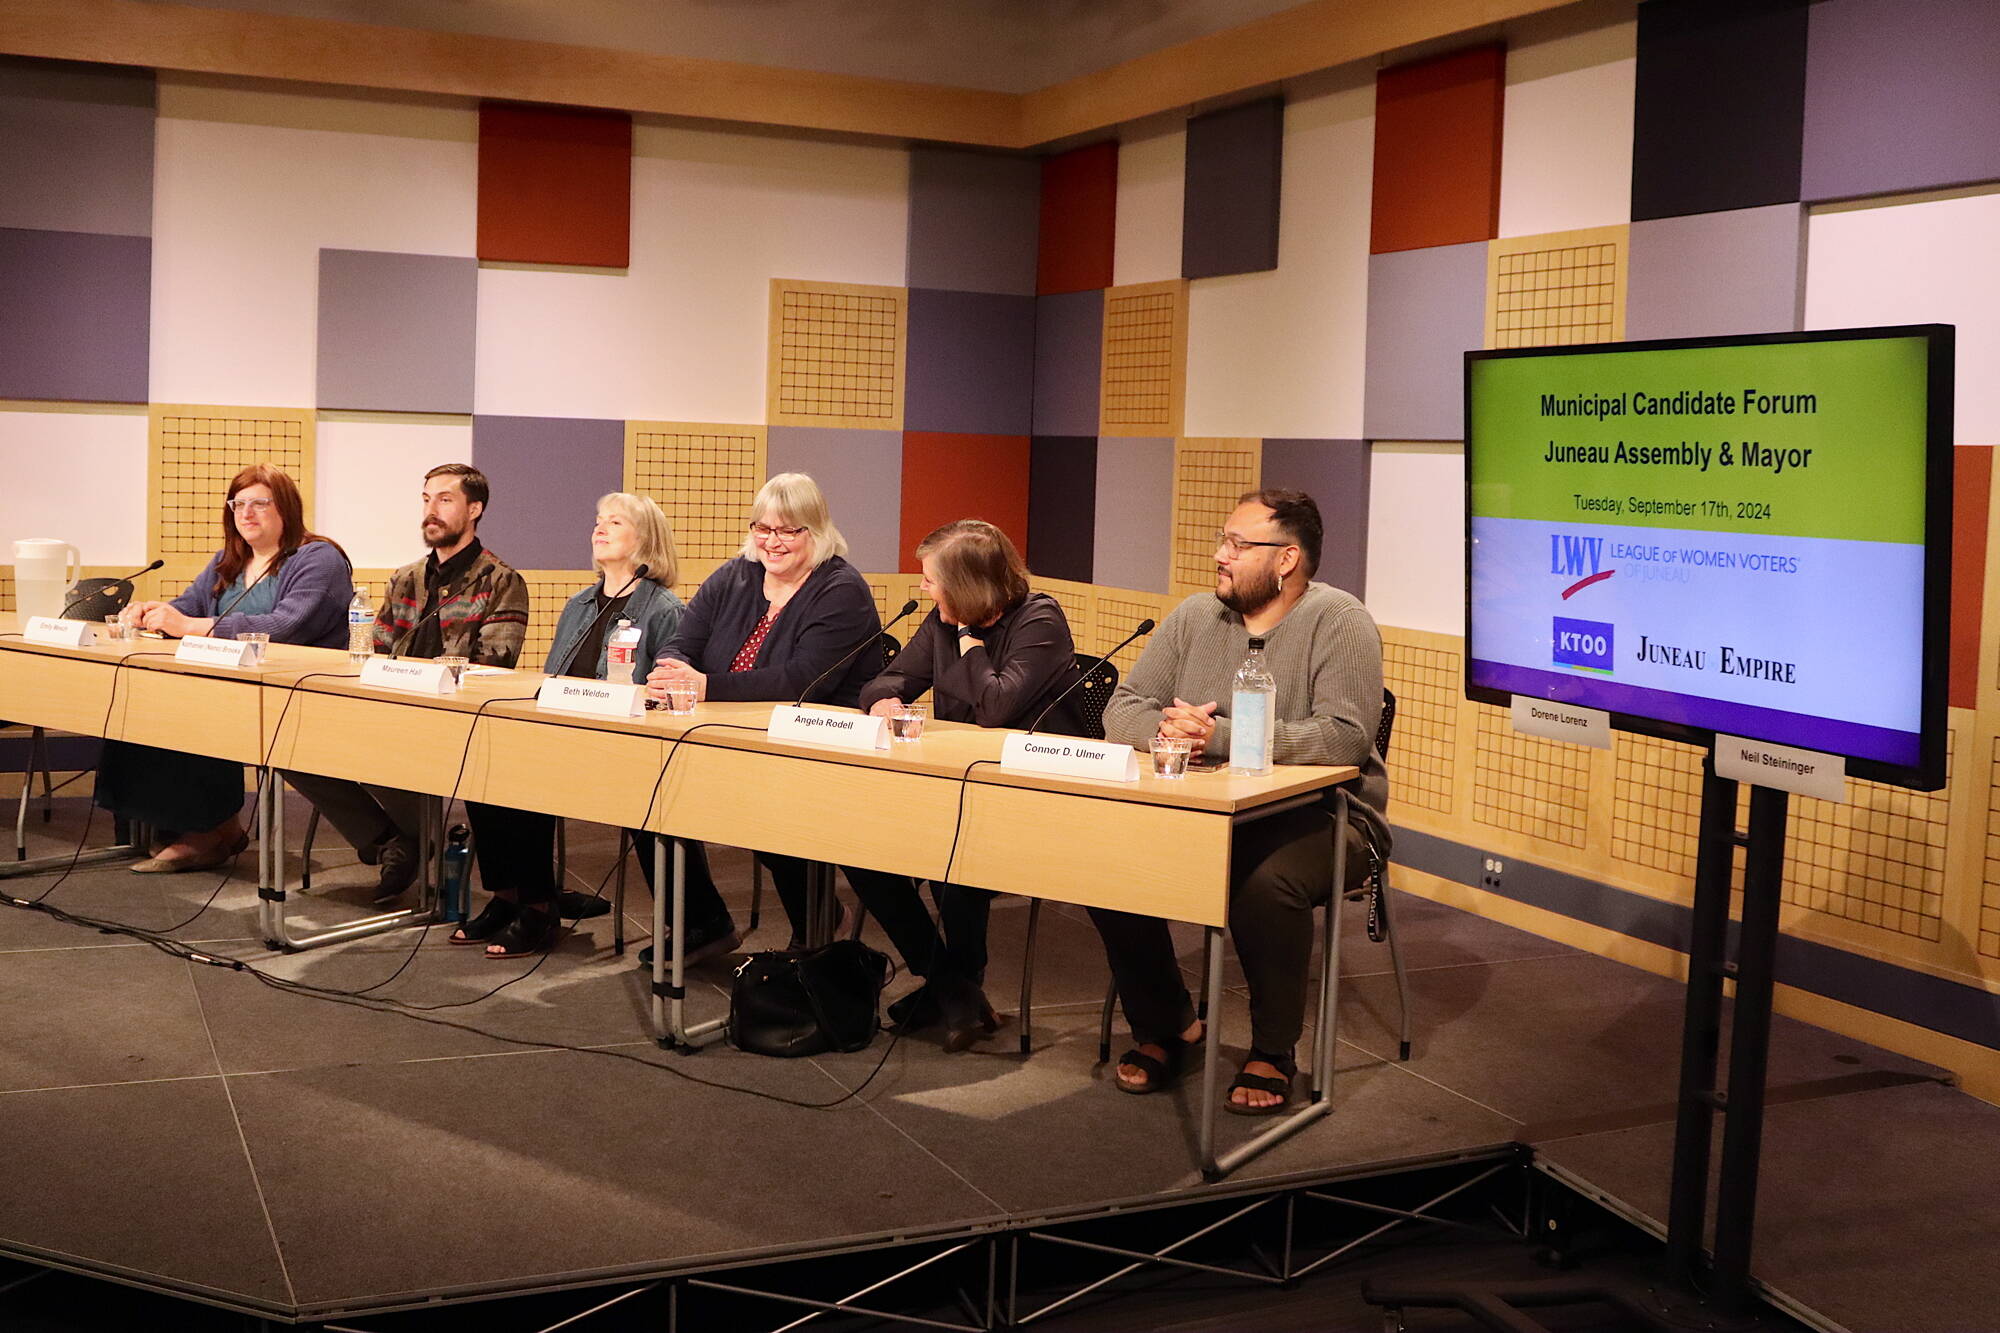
x=104, y=588
x=848, y=656
x=1145, y=627
x=591, y=628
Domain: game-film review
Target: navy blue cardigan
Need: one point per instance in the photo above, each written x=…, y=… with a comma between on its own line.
x=832, y=612
x=315, y=583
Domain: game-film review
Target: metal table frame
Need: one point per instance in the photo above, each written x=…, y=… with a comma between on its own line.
x=273, y=899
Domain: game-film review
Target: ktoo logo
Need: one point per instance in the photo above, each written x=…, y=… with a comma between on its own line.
x=1584, y=644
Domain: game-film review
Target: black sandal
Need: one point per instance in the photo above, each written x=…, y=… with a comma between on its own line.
x=492, y=919
x=530, y=932
x=1287, y=1067
x=1160, y=1074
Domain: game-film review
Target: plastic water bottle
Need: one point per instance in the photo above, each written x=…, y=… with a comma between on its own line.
x=360, y=625
x=621, y=664
x=1253, y=714
x=454, y=890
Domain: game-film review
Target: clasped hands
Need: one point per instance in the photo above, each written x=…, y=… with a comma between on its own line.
x=669, y=669
x=1194, y=721
x=162, y=618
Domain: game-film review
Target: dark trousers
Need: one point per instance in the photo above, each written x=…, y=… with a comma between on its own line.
x=171, y=791
x=1280, y=870
x=893, y=901
x=364, y=815
x=516, y=850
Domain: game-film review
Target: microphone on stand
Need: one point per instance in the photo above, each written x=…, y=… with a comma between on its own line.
x=848, y=656
x=591, y=629
x=105, y=597
x=1145, y=627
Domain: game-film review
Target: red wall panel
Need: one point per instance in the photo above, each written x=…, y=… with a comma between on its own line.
x=1437, y=151
x=1079, y=219
x=555, y=186
x=1972, y=491
x=963, y=476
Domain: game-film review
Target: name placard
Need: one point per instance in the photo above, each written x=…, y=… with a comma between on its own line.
x=1070, y=756
x=571, y=695
x=216, y=652
x=1562, y=722
x=1807, y=772
x=851, y=731
x=58, y=633
x=390, y=673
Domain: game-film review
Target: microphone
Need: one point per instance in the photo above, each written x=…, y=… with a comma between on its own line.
x=88, y=590
x=848, y=656
x=591, y=628
x=1145, y=627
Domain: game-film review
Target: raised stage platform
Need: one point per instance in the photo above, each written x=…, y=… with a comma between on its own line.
x=195, y=1131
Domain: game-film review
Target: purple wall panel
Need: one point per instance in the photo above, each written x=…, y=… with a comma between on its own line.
x=1335, y=474
x=76, y=147
x=1062, y=506
x=1717, y=273
x=1131, y=545
x=971, y=367
x=1229, y=220
x=547, y=474
x=396, y=331
x=1900, y=96
x=1069, y=340
x=974, y=219
x=75, y=316
x=1426, y=309
x=861, y=472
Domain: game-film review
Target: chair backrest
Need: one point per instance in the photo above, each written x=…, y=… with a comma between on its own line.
x=1095, y=692
x=890, y=648
x=1387, y=724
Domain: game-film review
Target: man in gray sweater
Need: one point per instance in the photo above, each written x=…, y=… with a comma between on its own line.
x=1322, y=647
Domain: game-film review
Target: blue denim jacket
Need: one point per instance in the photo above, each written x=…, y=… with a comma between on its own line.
x=654, y=609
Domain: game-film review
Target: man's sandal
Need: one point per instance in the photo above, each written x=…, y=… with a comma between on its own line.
x=1160, y=1074
x=1282, y=1086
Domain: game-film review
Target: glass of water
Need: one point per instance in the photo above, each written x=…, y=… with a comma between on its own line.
x=1170, y=756
x=260, y=647
x=680, y=697
x=907, y=722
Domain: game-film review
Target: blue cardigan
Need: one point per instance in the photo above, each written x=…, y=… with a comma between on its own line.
x=654, y=609
x=315, y=584
x=832, y=612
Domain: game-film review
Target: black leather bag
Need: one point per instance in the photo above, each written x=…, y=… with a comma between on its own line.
x=807, y=1002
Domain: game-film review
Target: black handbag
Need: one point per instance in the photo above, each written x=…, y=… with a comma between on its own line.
x=809, y=1001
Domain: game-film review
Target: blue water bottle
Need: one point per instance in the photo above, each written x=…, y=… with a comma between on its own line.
x=453, y=893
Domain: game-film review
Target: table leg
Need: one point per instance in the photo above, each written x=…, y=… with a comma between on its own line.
x=1211, y=1054
x=679, y=1033
x=271, y=882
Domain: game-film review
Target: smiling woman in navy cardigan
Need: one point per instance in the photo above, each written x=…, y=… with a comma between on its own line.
x=766, y=625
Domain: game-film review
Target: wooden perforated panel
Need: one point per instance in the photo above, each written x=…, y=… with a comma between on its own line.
x=1878, y=860
x=1428, y=687
x=1079, y=604
x=1117, y=613
x=194, y=451
x=1209, y=475
x=548, y=590
x=703, y=475
x=693, y=573
x=1560, y=288
x=837, y=354
x=1144, y=359
x=1989, y=899
x=1529, y=785
x=1655, y=803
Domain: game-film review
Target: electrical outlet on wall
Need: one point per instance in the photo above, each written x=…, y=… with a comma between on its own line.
x=1491, y=868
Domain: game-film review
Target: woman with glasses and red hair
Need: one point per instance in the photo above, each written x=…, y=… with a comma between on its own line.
x=272, y=576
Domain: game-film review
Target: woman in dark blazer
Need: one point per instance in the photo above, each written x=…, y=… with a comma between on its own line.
x=767, y=625
x=996, y=655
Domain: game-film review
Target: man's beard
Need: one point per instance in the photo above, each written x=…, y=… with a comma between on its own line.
x=1249, y=594
x=442, y=537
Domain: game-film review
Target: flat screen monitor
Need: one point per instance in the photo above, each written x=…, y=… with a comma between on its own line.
x=1745, y=535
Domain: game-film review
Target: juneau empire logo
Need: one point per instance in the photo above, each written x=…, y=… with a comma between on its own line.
x=1583, y=644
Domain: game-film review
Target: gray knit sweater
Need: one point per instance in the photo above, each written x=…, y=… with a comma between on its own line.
x=1326, y=655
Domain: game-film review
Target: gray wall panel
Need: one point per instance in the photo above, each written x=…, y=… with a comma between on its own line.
x=547, y=474
x=1131, y=547
x=1426, y=309
x=1069, y=344
x=1335, y=474
x=76, y=147
x=971, y=366
x=1229, y=217
x=1717, y=273
x=75, y=316
x=974, y=221
x=861, y=472
x=396, y=331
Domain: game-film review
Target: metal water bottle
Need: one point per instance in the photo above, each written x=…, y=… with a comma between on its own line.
x=455, y=888
x=621, y=666
x=1253, y=714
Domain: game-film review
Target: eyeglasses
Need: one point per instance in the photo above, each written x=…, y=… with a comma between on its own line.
x=763, y=532
x=257, y=506
x=1237, y=546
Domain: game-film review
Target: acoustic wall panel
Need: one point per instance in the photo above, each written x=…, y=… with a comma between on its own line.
x=1069, y=350
x=974, y=220
x=1716, y=273
x=1567, y=157
x=1426, y=309
x=1548, y=291
x=1144, y=374
x=703, y=476
x=76, y=147
x=1079, y=219
x=861, y=472
x=1972, y=507
x=1900, y=97
x=1132, y=539
x=77, y=476
x=194, y=452
x=549, y=590
x=1283, y=353
x=370, y=477
x=1235, y=165
x=1062, y=506
x=947, y=477
x=546, y=475
x=77, y=310
x=1152, y=179
x=1437, y=150
x=1416, y=536
x=837, y=354
x=1209, y=478
x=396, y=331
x=1335, y=474
x=555, y=185
x=971, y=362
x=1719, y=112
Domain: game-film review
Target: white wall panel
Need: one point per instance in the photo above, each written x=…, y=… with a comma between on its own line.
x=1566, y=154
x=681, y=336
x=1281, y=354
x=370, y=475
x=1416, y=536
x=250, y=184
x=1152, y=189
x=1917, y=263
x=78, y=476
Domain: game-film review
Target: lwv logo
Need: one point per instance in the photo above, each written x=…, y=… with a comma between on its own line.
x=1580, y=558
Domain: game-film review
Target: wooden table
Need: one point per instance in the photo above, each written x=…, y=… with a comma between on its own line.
x=940, y=808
